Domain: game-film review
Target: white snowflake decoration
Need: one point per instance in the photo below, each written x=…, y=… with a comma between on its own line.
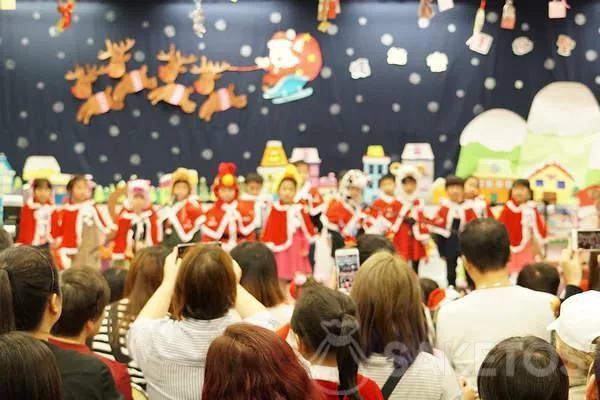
x=22, y=142
x=36, y=15
x=175, y=120
x=343, y=147
x=170, y=31
x=233, y=129
x=221, y=25
x=23, y=114
x=362, y=21
x=110, y=16
x=114, y=131
x=365, y=128
x=103, y=158
x=598, y=80
x=139, y=56
x=474, y=61
x=397, y=56
x=264, y=110
x=175, y=150
x=360, y=68
x=251, y=88
x=302, y=127
x=443, y=138
x=117, y=177
x=53, y=31
x=10, y=64
x=90, y=41
x=591, y=55
x=275, y=18
x=519, y=84
x=326, y=72
x=396, y=107
x=424, y=23
x=135, y=159
x=414, y=78
x=359, y=98
x=451, y=28
x=25, y=42
x=525, y=27
x=79, y=148
x=154, y=135
x=491, y=17
x=549, y=64
x=58, y=107
x=247, y=155
x=489, y=83
x=53, y=137
x=349, y=51
x=335, y=109
x=207, y=154
x=478, y=109
x=40, y=85
x=433, y=106
x=61, y=55
x=580, y=19
x=387, y=39
x=198, y=19
x=145, y=24
x=437, y=62
x=448, y=164
x=460, y=93
x=246, y=50
x=333, y=30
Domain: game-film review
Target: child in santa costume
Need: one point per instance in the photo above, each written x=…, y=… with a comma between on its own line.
x=525, y=225
x=137, y=222
x=384, y=211
x=254, y=198
x=82, y=226
x=450, y=220
x=226, y=222
x=38, y=216
x=289, y=230
x=181, y=221
x=309, y=196
x=475, y=200
x=345, y=216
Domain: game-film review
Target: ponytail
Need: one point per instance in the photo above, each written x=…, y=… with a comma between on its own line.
x=347, y=358
x=7, y=312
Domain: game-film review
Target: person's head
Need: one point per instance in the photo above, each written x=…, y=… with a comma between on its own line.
x=409, y=184
x=485, y=247
x=250, y=362
x=387, y=184
x=29, y=291
x=85, y=293
x=521, y=191
x=352, y=186
x=144, y=277
x=540, y=277
x=139, y=203
x=320, y=314
x=182, y=184
x=138, y=193
x=42, y=190
x=259, y=272
x=370, y=244
x=79, y=189
x=523, y=368
x=303, y=170
x=471, y=187
x=29, y=369
x=455, y=188
x=577, y=332
x=6, y=240
x=593, y=384
x=254, y=184
x=427, y=287
x=206, y=285
x=287, y=190
x=115, y=278
x=382, y=326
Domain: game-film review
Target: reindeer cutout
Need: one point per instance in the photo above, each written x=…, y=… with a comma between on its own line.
x=131, y=82
x=220, y=100
x=84, y=78
x=98, y=104
x=173, y=93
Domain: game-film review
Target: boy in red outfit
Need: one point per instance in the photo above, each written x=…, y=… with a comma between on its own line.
x=384, y=210
x=475, y=200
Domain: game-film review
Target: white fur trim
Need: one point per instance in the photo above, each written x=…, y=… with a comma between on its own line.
x=292, y=212
x=171, y=215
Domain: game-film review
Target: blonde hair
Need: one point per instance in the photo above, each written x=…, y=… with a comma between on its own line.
x=578, y=362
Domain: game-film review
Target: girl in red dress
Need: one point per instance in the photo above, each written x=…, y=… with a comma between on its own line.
x=37, y=215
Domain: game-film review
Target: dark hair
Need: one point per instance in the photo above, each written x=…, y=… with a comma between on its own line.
x=321, y=307
x=387, y=177
x=254, y=177
x=594, y=271
x=27, y=279
x=85, y=293
x=427, y=287
x=206, y=286
x=523, y=368
x=288, y=179
x=408, y=178
x=485, y=244
x=6, y=240
x=522, y=182
x=144, y=277
x=74, y=180
x=115, y=278
x=369, y=244
x=250, y=362
x=300, y=163
x=540, y=277
x=452, y=180
x=41, y=183
x=29, y=369
x=259, y=272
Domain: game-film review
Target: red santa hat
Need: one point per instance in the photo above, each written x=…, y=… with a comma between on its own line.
x=139, y=187
x=226, y=178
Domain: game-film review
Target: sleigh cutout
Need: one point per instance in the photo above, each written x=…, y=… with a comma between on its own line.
x=288, y=89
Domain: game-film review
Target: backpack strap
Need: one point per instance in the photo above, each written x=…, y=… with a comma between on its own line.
x=390, y=385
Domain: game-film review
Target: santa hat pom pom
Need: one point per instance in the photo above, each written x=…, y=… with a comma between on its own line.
x=227, y=168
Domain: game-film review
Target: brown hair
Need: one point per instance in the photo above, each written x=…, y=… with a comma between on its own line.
x=206, y=285
x=144, y=277
x=393, y=313
x=253, y=363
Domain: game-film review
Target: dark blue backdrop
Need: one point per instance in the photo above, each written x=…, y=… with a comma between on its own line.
x=37, y=111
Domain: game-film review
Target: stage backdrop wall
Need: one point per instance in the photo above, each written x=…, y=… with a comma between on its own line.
x=396, y=105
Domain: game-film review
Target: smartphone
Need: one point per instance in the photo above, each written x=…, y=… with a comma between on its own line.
x=585, y=239
x=347, y=262
x=183, y=248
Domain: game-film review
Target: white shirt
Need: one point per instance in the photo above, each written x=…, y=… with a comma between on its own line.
x=282, y=313
x=468, y=328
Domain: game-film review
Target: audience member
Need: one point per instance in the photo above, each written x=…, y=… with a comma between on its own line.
x=144, y=277
x=30, y=301
x=115, y=277
x=523, y=368
x=577, y=334
x=593, y=385
x=202, y=287
x=85, y=294
x=6, y=240
x=427, y=287
x=394, y=333
x=29, y=369
x=469, y=327
x=540, y=277
x=250, y=362
x=259, y=278
x=327, y=333
x=370, y=244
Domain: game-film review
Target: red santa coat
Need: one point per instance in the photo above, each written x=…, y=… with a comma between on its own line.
x=382, y=215
x=260, y=205
x=521, y=221
x=343, y=218
x=282, y=223
x=37, y=223
x=481, y=207
x=448, y=211
x=185, y=217
x=410, y=241
x=310, y=198
x=229, y=224
x=142, y=230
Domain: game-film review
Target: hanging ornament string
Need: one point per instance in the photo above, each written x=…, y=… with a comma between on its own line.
x=479, y=22
x=65, y=9
x=509, y=15
x=198, y=18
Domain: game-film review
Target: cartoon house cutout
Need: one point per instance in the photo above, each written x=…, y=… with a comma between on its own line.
x=273, y=163
x=328, y=185
x=7, y=175
x=40, y=167
x=309, y=155
x=552, y=182
x=587, y=197
x=495, y=180
x=420, y=156
x=438, y=191
x=375, y=165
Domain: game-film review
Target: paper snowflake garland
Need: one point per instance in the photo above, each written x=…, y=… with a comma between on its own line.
x=522, y=45
x=397, y=56
x=360, y=68
x=198, y=18
x=565, y=45
x=437, y=62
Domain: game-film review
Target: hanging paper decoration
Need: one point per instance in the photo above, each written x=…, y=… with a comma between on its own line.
x=84, y=79
x=480, y=42
x=445, y=5
x=327, y=10
x=198, y=19
x=558, y=9
x=118, y=54
x=397, y=56
x=437, y=62
x=565, y=45
x=425, y=13
x=509, y=15
x=293, y=61
x=98, y=104
x=66, y=12
x=522, y=45
x=360, y=68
